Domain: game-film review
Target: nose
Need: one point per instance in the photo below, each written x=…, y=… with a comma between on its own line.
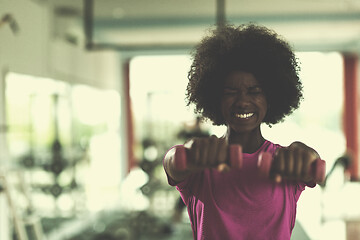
x=242, y=100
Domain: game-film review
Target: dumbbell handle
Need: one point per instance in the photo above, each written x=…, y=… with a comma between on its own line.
x=235, y=157
x=317, y=169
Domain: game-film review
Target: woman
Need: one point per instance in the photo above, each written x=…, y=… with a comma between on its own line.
x=242, y=77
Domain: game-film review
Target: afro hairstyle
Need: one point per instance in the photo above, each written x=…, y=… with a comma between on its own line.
x=249, y=48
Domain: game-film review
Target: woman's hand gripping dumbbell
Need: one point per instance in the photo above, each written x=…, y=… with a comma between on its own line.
x=296, y=162
x=212, y=152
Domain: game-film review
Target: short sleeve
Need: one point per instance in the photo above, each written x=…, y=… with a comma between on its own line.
x=301, y=187
x=184, y=187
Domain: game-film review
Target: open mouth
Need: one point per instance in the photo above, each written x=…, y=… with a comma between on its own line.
x=244, y=115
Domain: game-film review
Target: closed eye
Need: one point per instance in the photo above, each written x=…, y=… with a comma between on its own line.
x=250, y=90
x=230, y=91
x=255, y=90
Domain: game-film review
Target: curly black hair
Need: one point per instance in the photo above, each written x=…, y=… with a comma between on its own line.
x=250, y=48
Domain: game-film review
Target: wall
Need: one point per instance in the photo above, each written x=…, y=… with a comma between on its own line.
x=35, y=51
x=73, y=64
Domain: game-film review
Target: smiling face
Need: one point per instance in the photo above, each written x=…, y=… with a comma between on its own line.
x=244, y=103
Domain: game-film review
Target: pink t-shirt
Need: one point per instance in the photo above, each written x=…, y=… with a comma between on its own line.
x=240, y=204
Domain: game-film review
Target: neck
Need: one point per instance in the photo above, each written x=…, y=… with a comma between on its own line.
x=250, y=141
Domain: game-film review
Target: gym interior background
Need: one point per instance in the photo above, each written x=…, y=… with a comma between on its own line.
x=92, y=96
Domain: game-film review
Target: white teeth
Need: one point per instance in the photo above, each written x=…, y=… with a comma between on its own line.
x=244, y=115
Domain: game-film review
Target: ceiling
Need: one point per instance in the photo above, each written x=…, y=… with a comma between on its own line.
x=129, y=25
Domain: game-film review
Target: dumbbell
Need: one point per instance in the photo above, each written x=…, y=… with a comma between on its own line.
x=317, y=168
x=235, y=157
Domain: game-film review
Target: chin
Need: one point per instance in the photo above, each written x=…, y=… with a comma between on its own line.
x=243, y=129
